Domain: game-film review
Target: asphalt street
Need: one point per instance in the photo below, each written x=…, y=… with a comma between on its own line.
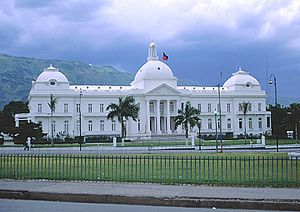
x=48, y=206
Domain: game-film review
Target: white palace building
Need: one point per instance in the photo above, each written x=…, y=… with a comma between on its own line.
x=81, y=109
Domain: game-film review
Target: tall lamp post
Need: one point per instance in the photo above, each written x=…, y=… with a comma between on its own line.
x=220, y=116
x=80, y=136
x=216, y=133
x=272, y=81
x=199, y=128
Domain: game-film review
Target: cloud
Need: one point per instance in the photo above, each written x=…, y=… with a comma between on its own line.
x=168, y=21
x=195, y=33
x=172, y=20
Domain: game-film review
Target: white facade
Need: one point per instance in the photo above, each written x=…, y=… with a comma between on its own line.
x=155, y=90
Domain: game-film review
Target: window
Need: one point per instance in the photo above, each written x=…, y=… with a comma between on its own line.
x=52, y=83
x=40, y=109
x=90, y=125
x=66, y=126
x=241, y=107
x=209, y=124
x=209, y=108
x=199, y=107
x=77, y=108
x=78, y=127
x=259, y=107
x=53, y=126
x=240, y=123
x=151, y=104
x=250, y=123
x=268, y=122
x=172, y=107
x=101, y=108
x=113, y=125
x=101, y=125
x=218, y=107
x=250, y=107
x=90, y=108
x=161, y=107
x=139, y=125
x=259, y=123
x=66, y=108
x=228, y=108
x=228, y=123
x=182, y=105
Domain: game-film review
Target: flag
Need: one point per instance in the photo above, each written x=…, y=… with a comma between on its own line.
x=165, y=57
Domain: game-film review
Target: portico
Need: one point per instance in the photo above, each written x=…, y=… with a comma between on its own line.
x=162, y=114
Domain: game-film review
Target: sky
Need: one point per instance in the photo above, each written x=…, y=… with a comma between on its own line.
x=202, y=38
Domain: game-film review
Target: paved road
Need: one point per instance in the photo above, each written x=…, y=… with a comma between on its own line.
x=47, y=206
x=136, y=150
x=153, y=194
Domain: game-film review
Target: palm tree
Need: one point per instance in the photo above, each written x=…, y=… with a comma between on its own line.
x=127, y=108
x=188, y=116
x=52, y=105
x=245, y=108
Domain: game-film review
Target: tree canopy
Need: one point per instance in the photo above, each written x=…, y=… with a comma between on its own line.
x=7, y=120
x=189, y=117
x=125, y=109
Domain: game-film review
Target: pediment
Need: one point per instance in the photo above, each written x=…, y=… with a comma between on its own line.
x=163, y=89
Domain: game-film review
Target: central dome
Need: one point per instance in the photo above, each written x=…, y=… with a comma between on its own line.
x=153, y=72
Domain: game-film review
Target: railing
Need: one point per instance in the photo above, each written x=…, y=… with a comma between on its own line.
x=209, y=170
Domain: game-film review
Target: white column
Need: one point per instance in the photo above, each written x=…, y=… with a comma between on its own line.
x=158, y=116
x=147, y=116
x=168, y=117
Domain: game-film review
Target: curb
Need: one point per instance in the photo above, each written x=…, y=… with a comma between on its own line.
x=258, y=204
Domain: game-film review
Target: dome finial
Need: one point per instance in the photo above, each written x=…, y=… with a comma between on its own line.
x=51, y=68
x=152, y=54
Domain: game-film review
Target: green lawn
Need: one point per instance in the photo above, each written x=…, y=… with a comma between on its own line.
x=268, y=169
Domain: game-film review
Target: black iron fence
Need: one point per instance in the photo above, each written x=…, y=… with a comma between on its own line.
x=209, y=170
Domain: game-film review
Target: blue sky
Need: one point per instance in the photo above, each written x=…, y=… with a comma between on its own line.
x=201, y=38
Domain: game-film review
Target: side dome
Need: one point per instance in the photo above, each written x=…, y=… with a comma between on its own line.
x=52, y=74
x=242, y=80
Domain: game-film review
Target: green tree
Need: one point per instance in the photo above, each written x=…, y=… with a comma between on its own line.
x=188, y=116
x=281, y=121
x=127, y=108
x=7, y=120
x=294, y=117
x=26, y=130
x=245, y=106
x=52, y=105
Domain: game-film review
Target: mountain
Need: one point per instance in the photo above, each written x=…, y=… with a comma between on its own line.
x=17, y=74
